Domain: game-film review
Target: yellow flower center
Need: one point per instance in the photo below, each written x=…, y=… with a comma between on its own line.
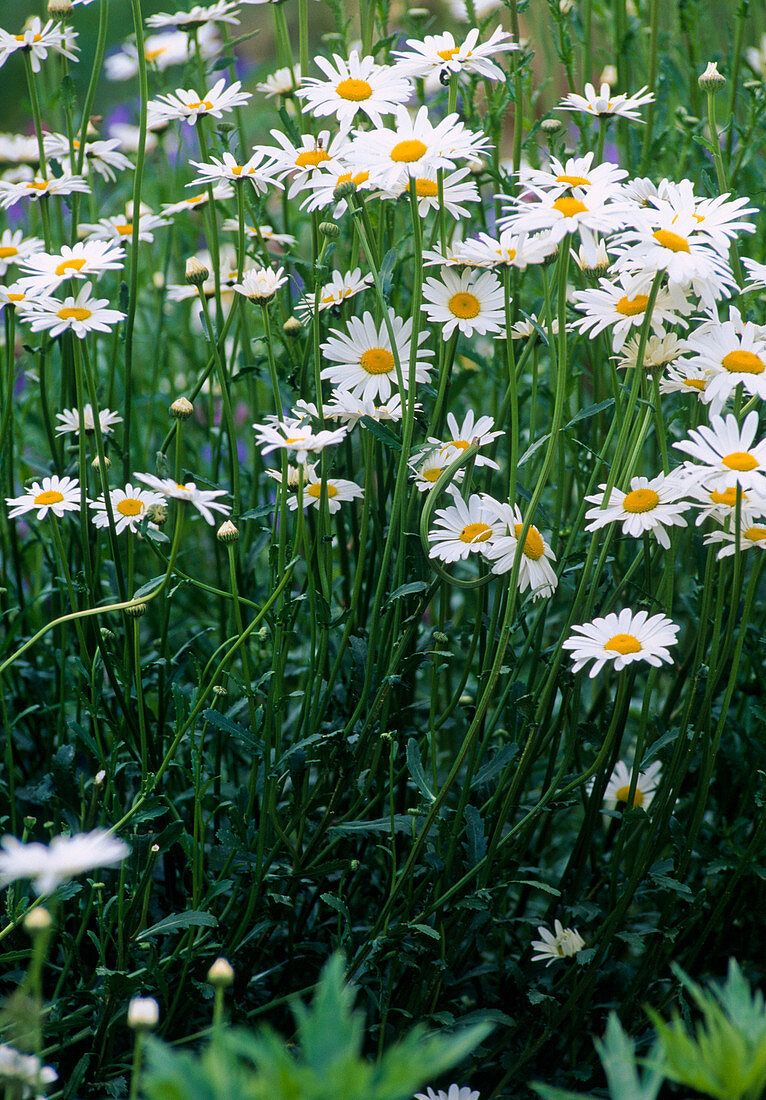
x=464, y=305
x=7, y=251
x=200, y=105
x=16, y=297
x=631, y=307
x=755, y=534
x=533, y=544
x=460, y=444
x=70, y=265
x=38, y=185
x=292, y=441
x=405, y=152
x=202, y=197
x=727, y=497
x=377, y=361
x=432, y=474
x=475, y=532
x=20, y=37
x=569, y=206
x=573, y=181
x=153, y=54
x=447, y=55
x=125, y=230
x=359, y=178
x=311, y=158
x=131, y=506
x=315, y=490
x=623, y=643
x=743, y=362
x=236, y=170
x=355, y=90
x=670, y=240
x=74, y=313
x=640, y=500
x=740, y=460
x=695, y=383
x=50, y=496
x=425, y=188
x=622, y=794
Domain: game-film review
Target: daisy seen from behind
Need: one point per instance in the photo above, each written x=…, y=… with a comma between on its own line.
x=562, y=943
x=70, y=420
x=55, y=494
x=649, y=505
x=622, y=638
x=730, y=353
x=471, y=302
x=362, y=359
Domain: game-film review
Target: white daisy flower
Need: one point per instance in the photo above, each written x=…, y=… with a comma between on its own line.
x=479, y=8
x=619, y=305
x=449, y=255
x=334, y=489
x=463, y=528
x=340, y=288
x=322, y=186
x=560, y=177
x=604, y=104
x=454, y=1092
x=756, y=273
x=508, y=250
x=751, y=537
x=720, y=505
x=14, y=248
x=82, y=261
x=717, y=220
x=732, y=353
x=683, y=379
x=756, y=58
x=294, y=435
x=70, y=420
x=300, y=162
x=129, y=137
x=348, y=409
x=11, y=193
x=55, y=494
x=650, y=505
x=24, y=1072
x=270, y=237
x=64, y=858
x=441, y=53
x=724, y=452
x=119, y=227
x=589, y=263
x=221, y=192
x=260, y=284
x=162, y=51
x=79, y=315
x=188, y=106
x=37, y=39
x=618, y=787
x=19, y=149
x=129, y=507
x=362, y=360
x=283, y=82
x=562, y=943
x=222, y=11
x=104, y=157
x=535, y=569
x=472, y=430
x=527, y=328
x=229, y=170
x=471, y=301
x=204, y=500
x=358, y=84
x=454, y=192
x=14, y=295
x=622, y=639
x=660, y=350
x=428, y=471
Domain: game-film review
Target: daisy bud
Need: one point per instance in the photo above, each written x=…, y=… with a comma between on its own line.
x=219, y=689
x=608, y=75
x=329, y=230
x=441, y=637
x=550, y=125
x=292, y=327
x=711, y=80
x=354, y=864
x=37, y=920
x=60, y=9
x=136, y=610
x=157, y=514
x=99, y=778
x=419, y=14
x=143, y=1014
x=107, y=635
x=227, y=532
x=158, y=280
x=221, y=974
x=196, y=272
x=344, y=190
x=181, y=409
x=96, y=463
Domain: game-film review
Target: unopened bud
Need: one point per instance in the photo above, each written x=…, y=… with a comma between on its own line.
x=329, y=230
x=157, y=514
x=181, y=409
x=96, y=463
x=196, y=272
x=550, y=125
x=60, y=9
x=292, y=326
x=441, y=637
x=99, y=778
x=135, y=610
x=221, y=974
x=37, y=920
x=143, y=1014
x=227, y=532
x=608, y=75
x=344, y=190
x=711, y=80
x=219, y=689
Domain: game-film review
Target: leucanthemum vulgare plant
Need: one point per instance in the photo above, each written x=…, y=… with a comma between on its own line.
x=383, y=509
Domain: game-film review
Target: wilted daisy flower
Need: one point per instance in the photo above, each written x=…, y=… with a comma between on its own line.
x=472, y=301
x=188, y=106
x=334, y=489
x=562, y=943
x=731, y=353
x=55, y=494
x=70, y=420
x=229, y=170
x=604, y=104
x=508, y=250
x=618, y=787
x=11, y=193
x=222, y=11
x=358, y=84
x=260, y=284
x=339, y=289
x=589, y=263
x=79, y=315
x=282, y=82
x=472, y=430
x=81, y=261
x=292, y=434
x=441, y=53
x=752, y=536
x=204, y=500
x=63, y=859
x=463, y=528
x=650, y=505
x=620, y=305
x=362, y=360
x=622, y=638
x=726, y=452
x=659, y=350
x=129, y=507
x=36, y=39
x=14, y=248
x=454, y=1092
x=428, y=471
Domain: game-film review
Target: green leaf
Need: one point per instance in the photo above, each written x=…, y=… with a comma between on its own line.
x=476, y=841
x=415, y=768
x=387, y=272
x=177, y=922
x=585, y=414
x=381, y=433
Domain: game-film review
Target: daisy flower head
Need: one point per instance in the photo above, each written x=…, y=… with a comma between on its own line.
x=682, y=378
x=14, y=248
x=55, y=494
x=471, y=302
x=454, y=192
x=535, y=569
x=293, y=434
x=104, y=157
x=222, y=11
x=463, y=528
x=427, y=470
x=119, y=227
x=300, y=162
x=204, y=500
x=661, y=349
x=129, y=506
x=720, y=505
x=162, y=51
x=322, y=187
x=752, y=536
x=70, y=420
x=24, y=1072
x=339, y=289
x=560, y=177
x=756, y=273
x=562, y=943
x=348, y=409
x=509, y=249
x=188, y=106
x=478, y=9
x=334, y=490
x=64, y=858
x=622, y=639
x=717, y=220
x=79, y=315
x=363, y=361
x=359, y=84
x=35, y=189
x=472, y=430
x=229, y=170
x=603, y=104
x=731, y=353
x=620, y=306
x=14, y=295
x=221, y=192
x=454, y=1092
x=283, y=82
x=724, y=452
x=650, y=505
x=618, y=787
x=37, y=39
x=83, y=260
x=260, y=284
x=440, y=53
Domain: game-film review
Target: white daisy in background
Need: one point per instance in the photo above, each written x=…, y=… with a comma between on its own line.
x=660, y=350
x=340, y=288
x=300, y=162
x=535, y=569
x=14, y=248
x=622, y=639
x=756, y=274
x=562, y=943
x=348, y=409
x=731, y=353
x=683, y=379
x=358, y=84
x=454, y=1092
x=282, y=82
x=463, y=528
x=79, y=315
x=294, y=434
x=204, y=500
x=11, y=193
x=650, y=505
x=229, y=170
x=36, y=39
x=618, y=788
x=524, y=330
x=275, y=242
x=55, y=494
x=472, y=430
x=129, y=137
x=362, y=360
x=19, y=149
x=454, y=192
x=724, y=452
x=222, y=11
x=162, y=51
x=439, y=53
x=129, y=507
x=120, y=226
x=334, y=489
x=221, y=192
x=508, y=250
x=260, y=284
x=620, y=306
x=479, y=8
x=24, y=1073
x=752, y=536
x=472, y=302
x=82, y=261
x=64, y=858
x=428, y=471
x=104, y=157
x=560, y=177
x=756, y=58
x=720, y=505
x=69, y=420
x=604, y=104
x=188, y=106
